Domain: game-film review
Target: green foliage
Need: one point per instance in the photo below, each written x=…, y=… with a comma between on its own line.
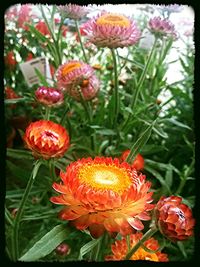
x=160, y=128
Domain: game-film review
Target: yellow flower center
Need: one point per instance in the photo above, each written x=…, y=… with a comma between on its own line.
x=102, y=176
x=142, y=254
x=69, y=67
x=113, y=20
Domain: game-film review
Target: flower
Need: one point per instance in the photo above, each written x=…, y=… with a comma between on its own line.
x=10, y=94
x=73, y=11
x=49, y=96
x=161, y=27
x=138, y=162
x=10, y=60
x=42, y=28
x=77, y=78
x=29, y=56
x=24, y=16
x=120, y=249
x=63, y=249
x=46, y=139
x=11, y=13
x=103, y=194
x=64, y=30
x=112, y=30
x=174, y=218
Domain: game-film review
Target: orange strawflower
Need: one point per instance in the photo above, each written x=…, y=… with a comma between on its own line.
x=120, y=249
x=174, y=218
x=138, y=162
x=46, y=139
x=103, y=194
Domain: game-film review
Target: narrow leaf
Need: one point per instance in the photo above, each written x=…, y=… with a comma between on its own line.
x=41, y=77
x=46, y=244
x=19, y=154
x=157, y=175
x=88, y=247
x=142, y=140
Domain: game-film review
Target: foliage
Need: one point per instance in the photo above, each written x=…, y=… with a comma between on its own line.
x=162, y=131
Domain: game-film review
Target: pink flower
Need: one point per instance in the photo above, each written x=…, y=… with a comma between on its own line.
x=24, y=16
x=161, y=27
x=49, y=96
x=77, y=78
x=73, y=11
x=112, y=30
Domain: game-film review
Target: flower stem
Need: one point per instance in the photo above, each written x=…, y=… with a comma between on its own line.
x=47, y=113
x=88, y=112
x=146, y=236
x=81, y=43
x=16, y=223
x=116, y=89
x=59, y=57
x=140, y=82
x=52, y=170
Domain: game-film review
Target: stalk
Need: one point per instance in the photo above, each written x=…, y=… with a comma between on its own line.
x=116, y=89
x=146, y=236
x=140, y=82
x=47, y=113
x=81, y=43
x=16, y=223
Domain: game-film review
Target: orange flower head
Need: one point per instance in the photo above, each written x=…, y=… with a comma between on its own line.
x=120, y=249
x=103, y=194
x=46, y=139
x=138, y=162
x=174, y=218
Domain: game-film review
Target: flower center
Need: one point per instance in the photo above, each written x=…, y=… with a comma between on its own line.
x=113, y=20
x=142, y=254
x=50, y=136
x=102, y=176
x=69, y=67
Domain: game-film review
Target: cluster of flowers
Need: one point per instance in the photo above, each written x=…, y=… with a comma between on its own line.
x=104, y=193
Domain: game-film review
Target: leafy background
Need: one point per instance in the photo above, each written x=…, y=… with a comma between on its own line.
x=169, y=152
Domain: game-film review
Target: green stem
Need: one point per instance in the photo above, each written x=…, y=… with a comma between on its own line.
x=140, y=82
x=15, y=238
x=8, y=217
x=47, y=113
x=52, y=170
x=116, y=88
x=88, y=112
x=146, y=236
x=81, y=43
x=59, y=59
x=128, y=242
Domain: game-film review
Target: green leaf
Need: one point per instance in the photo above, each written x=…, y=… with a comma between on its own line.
x=178, y=123
x=169, y=175
x=157, y=175
x=46, y=244
x=182, y=249
x=17, y=100
x=106, y=132
x=160, y=132
x=42, y=78
x=142, y=140
x=88, y=247
x=19, y=154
